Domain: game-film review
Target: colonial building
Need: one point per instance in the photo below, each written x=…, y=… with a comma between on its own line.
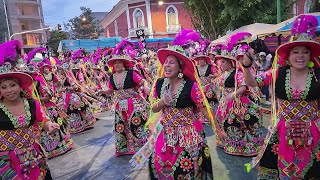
x=158, y=19
x=304, y=6
x=20, y=16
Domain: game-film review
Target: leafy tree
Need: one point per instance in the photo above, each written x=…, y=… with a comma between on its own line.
x=54, y=40
x=204, y=16
x=215, y=17
x=84, y=26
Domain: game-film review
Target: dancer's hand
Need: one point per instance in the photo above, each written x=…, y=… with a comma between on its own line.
x=167, y=95
x=230, y=97
x=247, y=59
x=52, y=127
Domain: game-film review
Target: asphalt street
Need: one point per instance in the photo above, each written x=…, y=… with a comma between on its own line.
x=92, y=157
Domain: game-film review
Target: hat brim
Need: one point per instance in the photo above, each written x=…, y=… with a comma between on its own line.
x=45, y=66
x=212, y=53
x=233, y=60
x=207, y=58
x=187, y=67
x=283, y=51
x=126, y=62
x=25, y=80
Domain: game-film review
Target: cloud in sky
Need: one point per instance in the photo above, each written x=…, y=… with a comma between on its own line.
x=59, y=11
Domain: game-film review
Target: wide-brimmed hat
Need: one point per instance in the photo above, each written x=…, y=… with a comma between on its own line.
x=188, y=68
x=8, y=55
x=303, y=30
x=237, y=44
x=127, y=62
x=125, y=53
x=201, y=52
x=45, y=66
x=215, y=50
x=25, y=80
x=203, y=56
x=225, y=54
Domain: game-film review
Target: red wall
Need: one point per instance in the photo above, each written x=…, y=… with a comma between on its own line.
x=122, y=26
x=158, y=14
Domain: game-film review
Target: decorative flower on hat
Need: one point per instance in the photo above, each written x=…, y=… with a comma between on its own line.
x=201, y=52
x=189, y=40
x=215, y=50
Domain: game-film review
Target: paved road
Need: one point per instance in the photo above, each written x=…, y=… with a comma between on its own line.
x=93, y=158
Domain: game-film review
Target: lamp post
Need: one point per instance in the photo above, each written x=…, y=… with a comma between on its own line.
x=7, y=19
x=278, y=11
x=24, y=32
x=160, y=3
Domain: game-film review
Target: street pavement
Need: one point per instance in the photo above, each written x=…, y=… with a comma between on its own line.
x=92, y=157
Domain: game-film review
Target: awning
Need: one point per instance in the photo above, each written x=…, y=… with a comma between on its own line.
x=256, y=28
x=262, y=30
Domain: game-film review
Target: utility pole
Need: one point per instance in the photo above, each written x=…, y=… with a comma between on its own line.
x=278, y=11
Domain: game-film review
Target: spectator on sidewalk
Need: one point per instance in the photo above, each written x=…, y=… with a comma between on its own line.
x=264, y=63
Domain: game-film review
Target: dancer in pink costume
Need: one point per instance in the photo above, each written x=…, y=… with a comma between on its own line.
x=22, y=120
x=131, y=109
x=292, y=147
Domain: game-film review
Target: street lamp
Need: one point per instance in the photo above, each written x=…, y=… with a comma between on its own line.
x=160, y=3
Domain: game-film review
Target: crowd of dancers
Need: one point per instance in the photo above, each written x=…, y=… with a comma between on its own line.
x=161, y=101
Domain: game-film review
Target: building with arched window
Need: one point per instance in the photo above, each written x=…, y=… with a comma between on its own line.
x=155, y=20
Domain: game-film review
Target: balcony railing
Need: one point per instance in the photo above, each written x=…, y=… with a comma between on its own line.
x=26, y=1
x=174, y=28
x=133, y=31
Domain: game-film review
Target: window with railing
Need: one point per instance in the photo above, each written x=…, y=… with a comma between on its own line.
x=172, y=19
x=32, y=39
x=138, y=18
x=28, y=10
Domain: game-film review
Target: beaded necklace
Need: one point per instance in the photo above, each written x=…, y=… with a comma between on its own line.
x=48, y=76
x=288, y=88
x=202, y=73
x=176, y=95
x=20, y=121
x=119, y=86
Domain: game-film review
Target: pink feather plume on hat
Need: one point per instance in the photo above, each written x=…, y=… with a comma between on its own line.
x=204, y=45
x=236, y=38
x=96, y=59
x=305, y=24
x=119, y=50
x=108, y=52
x=186, y=36
x=32, y=53
x=8, y=51
x=77, y=54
